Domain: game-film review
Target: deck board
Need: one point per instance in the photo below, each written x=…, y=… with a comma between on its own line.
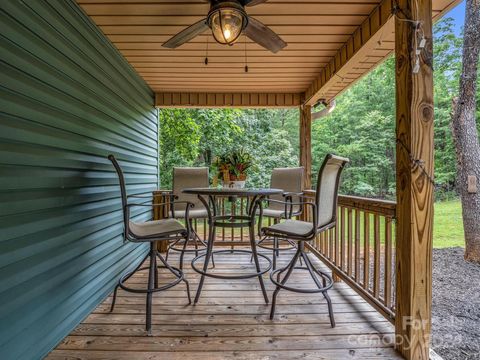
x=231, y=322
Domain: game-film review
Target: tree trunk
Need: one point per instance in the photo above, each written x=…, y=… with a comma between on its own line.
x=465, y=133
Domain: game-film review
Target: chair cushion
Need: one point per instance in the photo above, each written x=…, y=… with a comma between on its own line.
x=193, y=214
x=291, y=227
x=156, y=227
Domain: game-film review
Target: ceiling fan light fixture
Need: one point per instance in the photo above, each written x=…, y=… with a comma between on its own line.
x=227, y=22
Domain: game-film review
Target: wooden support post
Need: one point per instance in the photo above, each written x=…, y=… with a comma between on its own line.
x=306, y=143
x=414, y=121
x=161, y=212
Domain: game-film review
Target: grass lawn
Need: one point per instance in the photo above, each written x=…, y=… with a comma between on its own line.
x=448, y=225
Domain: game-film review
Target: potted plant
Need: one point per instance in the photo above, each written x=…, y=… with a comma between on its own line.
x=232, y=168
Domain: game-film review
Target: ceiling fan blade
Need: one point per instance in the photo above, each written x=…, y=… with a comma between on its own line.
x=253, y=2
x=186, y=35
x=264, y=36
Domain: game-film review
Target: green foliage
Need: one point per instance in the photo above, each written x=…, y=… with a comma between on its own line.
x=195, y=137
x=362, y=128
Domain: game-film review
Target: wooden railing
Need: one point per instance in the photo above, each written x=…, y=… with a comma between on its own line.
x=359, y=249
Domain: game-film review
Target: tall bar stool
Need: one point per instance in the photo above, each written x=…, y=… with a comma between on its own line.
x=291, y=181
x=188, y=177
x=149, y=232
x=324, y=217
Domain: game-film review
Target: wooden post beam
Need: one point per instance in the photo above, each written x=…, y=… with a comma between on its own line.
x=414, y=160
x=224, y=100
x=306, y=143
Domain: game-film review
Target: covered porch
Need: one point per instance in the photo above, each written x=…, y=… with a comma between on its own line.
x=231, y=322
x=72, y=98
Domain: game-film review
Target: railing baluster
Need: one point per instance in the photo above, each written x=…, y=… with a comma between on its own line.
x=337, y=245
x=322, y=242
x=366, y=250
x=232, y=230
x=358, y=231
x=357, y=245
x=388, y=262
x=325, y=239
x=349, y=241
x=242, y=212
x=342, y=238
x=376, y=254
x=222, y=203
x=330, y=240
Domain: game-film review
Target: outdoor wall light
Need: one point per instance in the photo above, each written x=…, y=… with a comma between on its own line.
x=227, y=21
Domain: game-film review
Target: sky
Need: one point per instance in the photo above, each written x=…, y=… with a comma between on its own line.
x=458, y=14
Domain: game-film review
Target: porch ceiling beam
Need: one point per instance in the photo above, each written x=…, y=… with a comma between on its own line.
x=366, y=38
x=361, y=52
x=223, y=100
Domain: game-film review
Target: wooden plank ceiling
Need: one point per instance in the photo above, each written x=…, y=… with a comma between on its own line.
x=315, y=30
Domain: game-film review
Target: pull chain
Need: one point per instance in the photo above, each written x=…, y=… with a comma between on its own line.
x=206, y=53
x=246, y=58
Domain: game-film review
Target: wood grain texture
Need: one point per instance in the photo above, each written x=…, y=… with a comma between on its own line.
x=305, y=135
x=376, y=33
x=322, y=36
x=231, y=322
x=414, y=127
x=232, y=100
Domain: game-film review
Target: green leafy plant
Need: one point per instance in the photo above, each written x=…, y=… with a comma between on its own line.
x=234, y=166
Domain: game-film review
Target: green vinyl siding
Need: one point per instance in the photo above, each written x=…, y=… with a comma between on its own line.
x=67, y=100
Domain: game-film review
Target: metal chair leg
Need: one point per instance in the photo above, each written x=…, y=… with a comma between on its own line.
x=151, y=276
x=114, y=297
x=253, y=245
x=289, y=269
x=126, y=278
x=182, y=253
x=211, y=239
x=275, y=253
x=312, y=272
x=330, y=309
x=155, y=274
x=176, y=273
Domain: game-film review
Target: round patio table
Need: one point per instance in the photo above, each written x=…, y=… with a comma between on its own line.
x=208, y=197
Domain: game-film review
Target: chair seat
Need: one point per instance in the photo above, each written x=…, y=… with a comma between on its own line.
x=291, y=227
x=156, y=227
x=193, y=214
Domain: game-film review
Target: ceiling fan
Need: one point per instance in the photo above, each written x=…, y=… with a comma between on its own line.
x=228, y=19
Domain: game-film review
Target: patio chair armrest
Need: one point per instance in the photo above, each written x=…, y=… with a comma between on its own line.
x=161, y=204
x=262, y=231
x=188, y=205
x=289, y=204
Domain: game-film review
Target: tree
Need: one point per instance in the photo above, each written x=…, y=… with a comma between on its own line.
x=465, y=132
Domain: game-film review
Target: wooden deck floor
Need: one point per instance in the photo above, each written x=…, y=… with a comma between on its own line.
x=231, y=322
